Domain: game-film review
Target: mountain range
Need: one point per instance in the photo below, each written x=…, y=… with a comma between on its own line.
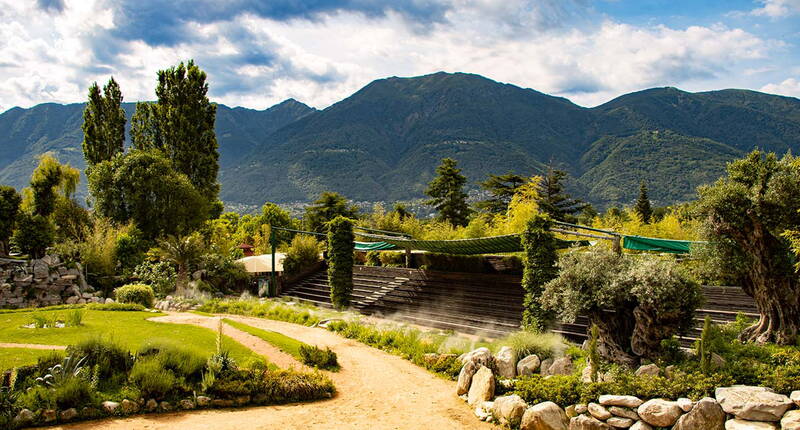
x=383, y=142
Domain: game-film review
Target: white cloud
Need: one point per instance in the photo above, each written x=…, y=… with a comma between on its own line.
x=789, y=87
x=777, y=8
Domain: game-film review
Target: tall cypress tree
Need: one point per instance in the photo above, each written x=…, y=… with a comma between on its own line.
x=447, y=192
x=103, y=123
x=643, y=207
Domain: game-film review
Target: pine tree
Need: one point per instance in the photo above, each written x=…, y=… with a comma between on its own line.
x=642, y=206
x=103, y=123
x=502, y=189
x=447, y=192
x=554, y=201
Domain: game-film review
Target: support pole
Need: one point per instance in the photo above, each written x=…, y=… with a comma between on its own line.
x=273, y=286
x=617, y=245
x=408, y=257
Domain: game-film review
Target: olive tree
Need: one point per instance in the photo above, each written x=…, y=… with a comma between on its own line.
x=746, y=217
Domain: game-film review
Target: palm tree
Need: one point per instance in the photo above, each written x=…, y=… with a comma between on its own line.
x=181, y=251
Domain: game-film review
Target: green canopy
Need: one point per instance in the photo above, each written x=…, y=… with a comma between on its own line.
x=481, y=245
x=374, y=246
x=639, y=243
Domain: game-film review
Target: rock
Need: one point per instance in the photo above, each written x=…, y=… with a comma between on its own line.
x=151, y=405
x=753, y=403
x=582, y=422
x=89, y=412
x=791, y=421
x=24, y=418
x=509, y=409
x=222, y=403
x=187, y=404
x=706, y=414
x=203, y=401
x=599, y=412
x=241, y=400
x=544, y=416
x=795, y=397
x=480, y=356
x=580, y=408
x=482, y=387
x=68, y=415
x=528, y=365
x=109, y=300
x=562, y=366
x=109, y=406
x=40, y=269
x=717, y=360
x=626, y=401
x=506, y=362
x=685, y=404
x=641, y=425
x=465, y=377
x=129, y=407
x=737, y=424
x=659, y=412
x=484, y=411
x=620, y=422
x=165, y=406
x=624, y=413
x=544, y=367
x=49, y=415
x=72, y=300
x=648, y=370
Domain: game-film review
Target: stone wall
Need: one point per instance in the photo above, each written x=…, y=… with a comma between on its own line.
x=43, y=282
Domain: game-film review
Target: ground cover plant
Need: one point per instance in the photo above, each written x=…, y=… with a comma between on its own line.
x=269, y=309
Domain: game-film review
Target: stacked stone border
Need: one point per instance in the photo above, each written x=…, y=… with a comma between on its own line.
x=43, y=282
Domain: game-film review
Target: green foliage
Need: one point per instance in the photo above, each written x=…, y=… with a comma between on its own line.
x=158, y=274
x=554, y=201
x=392, y=259
x=49, y=181
x=9, y=210
x=539, y=259
x=302, y=253
x=703, y=346
x=340, y=260
x=278, y=386
x=74, y=318
x=151, y=378
x=447, y=193
x=326, y=208
x=222, y=272
x=182, y=251
x=135, y=293
x=642, y=206
x=71, y=220
x=103, y=123
x=269, y=310
x=108, y=359
x=320, y=358
x=144, y=187
x=502, y=189
x=130, y=248
x=73, y=393
x=527, y=342
x=372, y=258
x=594, y=355
x=34, y=234
x=183, y=362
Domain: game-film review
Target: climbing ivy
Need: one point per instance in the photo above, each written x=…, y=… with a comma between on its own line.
x=340, y=260
x=539, y=259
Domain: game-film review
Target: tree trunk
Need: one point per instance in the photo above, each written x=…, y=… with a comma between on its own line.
x=650, y=331
x=615, y=330
x=182, y=280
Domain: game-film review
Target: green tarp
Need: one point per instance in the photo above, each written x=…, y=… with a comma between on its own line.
x=374, y=246
x=639, y=243
x=482, y=245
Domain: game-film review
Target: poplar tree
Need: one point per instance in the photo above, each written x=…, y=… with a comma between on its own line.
x=447, y=193
x=103, y=123
x=643, y=207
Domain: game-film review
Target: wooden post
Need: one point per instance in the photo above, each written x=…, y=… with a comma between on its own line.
x=408, y=257
x=617, y=245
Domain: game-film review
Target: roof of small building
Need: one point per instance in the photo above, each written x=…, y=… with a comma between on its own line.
x=263, y=263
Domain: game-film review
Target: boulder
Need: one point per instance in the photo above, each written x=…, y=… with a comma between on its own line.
x=659, y=412
x=795, y=397
x=648, y=370
x=49, y=415
x=482, y=387
x=186, y=404
x=753, y=403
x=109, y=300
x=72, y=300
x=737, y=424
x=620, y=422
x=528, y=365
x=508, y=410
x=484, y=411
x=165, y=406
x=109, y=406
x=544, y=367
x=599, y=412
x=68, y=414
x=544, y=416
x=24, y=418
x=222, y=403
x=626, y=401
x=624, y=413
x=791, y=421
x=506, y=362
x=480, y=356
x=151, y=405
x=582, y=422
x=465, y=377
x=641, y=425
x=685, y=404
x=203, y=401
x=706, y=414
x=562, y=366
x=580, y=408
x=586, y=375
x=40, y=269
x=129, y=407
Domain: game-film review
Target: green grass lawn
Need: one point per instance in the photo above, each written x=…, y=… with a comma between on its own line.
x=131, y=329
x=15, y=357
x=284, y=343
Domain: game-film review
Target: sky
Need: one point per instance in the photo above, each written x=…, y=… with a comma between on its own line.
x=260, y=52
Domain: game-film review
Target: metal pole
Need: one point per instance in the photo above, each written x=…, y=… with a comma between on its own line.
x=273, y=286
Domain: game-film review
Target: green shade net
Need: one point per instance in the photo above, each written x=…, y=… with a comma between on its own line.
x=481, y=245
x=374, y=246
x=639, y=243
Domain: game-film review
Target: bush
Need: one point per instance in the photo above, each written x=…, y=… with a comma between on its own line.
x=319, y=358
x=302, y=253
x=135, y=293
x=73, y=393
x=158, y=274
x=108, y=360
x=151, y=378
x=274, y=386
x=183, y=362
x=223, y=273
x=372, y=258
x=392, y=259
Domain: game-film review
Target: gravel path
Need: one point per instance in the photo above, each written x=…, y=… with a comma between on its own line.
x=32, y=346
x=376, y=391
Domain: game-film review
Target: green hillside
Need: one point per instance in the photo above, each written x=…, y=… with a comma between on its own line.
x=384, y=142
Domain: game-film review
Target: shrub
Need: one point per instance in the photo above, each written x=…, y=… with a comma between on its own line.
x=372, y=258
x=108, y=359
x=73, y=393
x=317, y=357
x=158, y=274
x=545, y=345
x=135, y=293
x=74, y=318
x=37, y=398
x=222, y=273
x=151, y=378
x=392, y=259
x=286, y=386
x=302, y=253
x=125, y=307
x=182, y=361
x=340, y=260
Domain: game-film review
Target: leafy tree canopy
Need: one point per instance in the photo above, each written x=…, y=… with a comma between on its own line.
x=10, y=201
x=103, y=123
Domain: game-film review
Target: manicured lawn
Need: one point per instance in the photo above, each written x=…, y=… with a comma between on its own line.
x=15, y=357
x=282, y=342
x=130, y=329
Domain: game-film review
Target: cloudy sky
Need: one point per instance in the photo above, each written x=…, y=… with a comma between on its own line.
x=258, y=53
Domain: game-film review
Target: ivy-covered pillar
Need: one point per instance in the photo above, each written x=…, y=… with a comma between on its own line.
x=539, y=247
x=341, y=246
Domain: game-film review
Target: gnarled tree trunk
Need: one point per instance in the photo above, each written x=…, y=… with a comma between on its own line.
x=615, y=330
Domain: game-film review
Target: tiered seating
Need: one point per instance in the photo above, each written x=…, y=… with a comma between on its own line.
x=483, y=304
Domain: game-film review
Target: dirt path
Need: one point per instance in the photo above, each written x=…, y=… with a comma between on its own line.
x=32, y=346
x=376, y=391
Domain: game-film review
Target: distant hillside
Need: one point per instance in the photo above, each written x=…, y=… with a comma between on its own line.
x=384, y=142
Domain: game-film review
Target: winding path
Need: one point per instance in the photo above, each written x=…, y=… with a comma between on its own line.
x=375, y=391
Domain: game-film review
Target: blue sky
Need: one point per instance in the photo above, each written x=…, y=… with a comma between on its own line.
x=258, y=53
